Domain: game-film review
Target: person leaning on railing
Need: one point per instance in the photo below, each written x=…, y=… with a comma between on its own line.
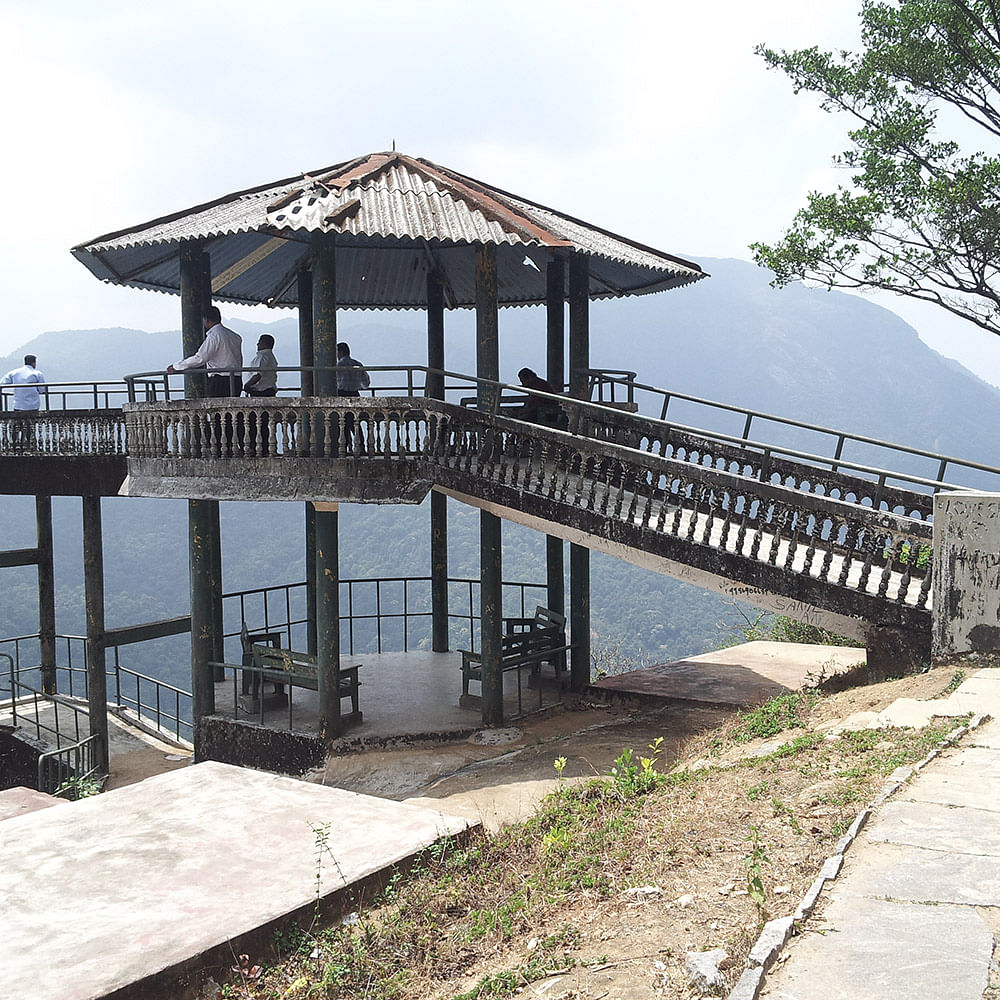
x=264, y=380
x=220, y=354
x=29, y=384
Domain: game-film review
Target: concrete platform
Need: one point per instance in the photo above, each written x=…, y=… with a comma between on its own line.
x=127, y=891
x=402, y=694
x=741, y=676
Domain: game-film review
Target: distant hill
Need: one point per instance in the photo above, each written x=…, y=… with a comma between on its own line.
x=816, y=356
x=821, y=357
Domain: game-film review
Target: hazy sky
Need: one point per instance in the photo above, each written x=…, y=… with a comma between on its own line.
x=651, y=119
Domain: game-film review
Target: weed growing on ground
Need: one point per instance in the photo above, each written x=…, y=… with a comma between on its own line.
x=81, y=787
x=957, y=679
x=483, y=917
x=786, y=711
x=754, y=862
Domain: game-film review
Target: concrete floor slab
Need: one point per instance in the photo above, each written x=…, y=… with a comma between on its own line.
x=19, y=801
x=893, y=951
x=741, y=676
x=111, y=890
x=937, y=827
x=914, y=874
x=959, y=779
x=404, y=695
x=986, y=735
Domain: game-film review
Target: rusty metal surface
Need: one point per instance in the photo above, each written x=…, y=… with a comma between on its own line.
x=397, y=219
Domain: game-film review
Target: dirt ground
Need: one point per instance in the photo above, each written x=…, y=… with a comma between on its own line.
x=684, y=882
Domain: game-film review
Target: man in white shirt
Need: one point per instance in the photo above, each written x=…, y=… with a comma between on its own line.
x=220, y=354
x=264, y=380
x=26, y=380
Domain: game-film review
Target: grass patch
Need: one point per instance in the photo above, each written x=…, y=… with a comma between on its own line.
x=787, y=711
x=482, y=920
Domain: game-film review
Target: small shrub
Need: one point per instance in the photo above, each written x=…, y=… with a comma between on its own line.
x=771, y=718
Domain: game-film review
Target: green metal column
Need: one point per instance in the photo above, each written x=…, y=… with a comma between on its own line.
x=555, y=374
x=203, y=524
x=203, y=515
x=307, y=360
x=328, y=621
x=324, y=277
x=579, y=556
x=306, y=352
x=490, y=542
x=439, y=502
x=93, y=585
x=218, y=640
x=311, y=642
x=218, y=631
x=46, y=594
x=193, y=301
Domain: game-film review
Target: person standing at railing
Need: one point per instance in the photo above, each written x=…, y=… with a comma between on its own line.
x=26, y=380
x=220, y=354
x=263, y=382
x=351, y=379
x=29, y=384
x=351, y=374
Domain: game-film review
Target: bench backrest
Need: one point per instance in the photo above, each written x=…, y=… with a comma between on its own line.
x=275, y=658
x=547, y=619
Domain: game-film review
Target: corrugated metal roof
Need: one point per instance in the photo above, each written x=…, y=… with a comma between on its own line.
x=397, y=218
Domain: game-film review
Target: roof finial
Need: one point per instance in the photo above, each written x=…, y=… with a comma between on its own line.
x=394, y=145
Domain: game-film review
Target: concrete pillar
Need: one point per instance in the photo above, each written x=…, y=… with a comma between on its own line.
x=555, y=375
x=203, y=526
x=439, y=572
x=579, y=324
x=218, y=629
x=204, y=548
x=328, y=620
x=307, y=360
x=93, y=585
x=306, y=352
x=194, y=298
x=966, y=596
x=490, y=542
x=579, y=557
x=46, y=594
x=311, y=642
x=324, y=276
x=439, y=502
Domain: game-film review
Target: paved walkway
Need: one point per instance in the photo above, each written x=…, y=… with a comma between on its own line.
x=915, y=910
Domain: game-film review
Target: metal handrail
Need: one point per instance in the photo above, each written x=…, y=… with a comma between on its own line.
x=154, y=386
x=98, y=391
x=490, y=399
x=749, y=415
x=59, y=769
x=380, y=616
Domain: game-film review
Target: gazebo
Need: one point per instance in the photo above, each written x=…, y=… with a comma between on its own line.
x=385, y=231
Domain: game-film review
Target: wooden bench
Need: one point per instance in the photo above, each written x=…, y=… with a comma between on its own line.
x=285, y=666
x=525, y=642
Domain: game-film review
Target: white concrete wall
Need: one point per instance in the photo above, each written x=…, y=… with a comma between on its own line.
x=966, y=616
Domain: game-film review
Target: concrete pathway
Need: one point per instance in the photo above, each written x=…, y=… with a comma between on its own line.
x=128, y=890
x=915, y=910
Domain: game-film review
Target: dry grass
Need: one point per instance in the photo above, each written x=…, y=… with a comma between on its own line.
x=603, y=891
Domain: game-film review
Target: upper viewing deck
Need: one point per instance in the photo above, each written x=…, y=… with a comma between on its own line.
x=820, y=527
